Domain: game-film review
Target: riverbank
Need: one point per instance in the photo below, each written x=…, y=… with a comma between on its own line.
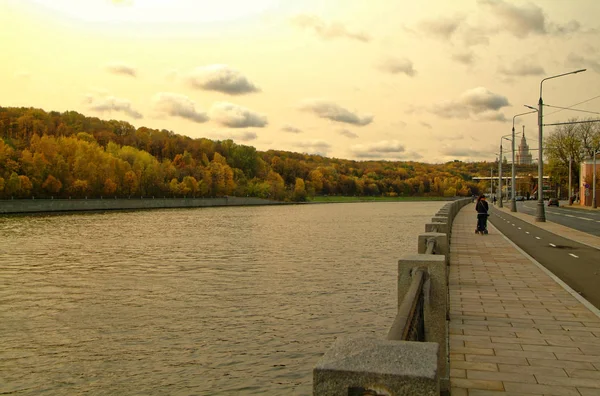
x=25, y=206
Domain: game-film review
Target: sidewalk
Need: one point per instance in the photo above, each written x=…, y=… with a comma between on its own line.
x=555, y=228
x=514, y=329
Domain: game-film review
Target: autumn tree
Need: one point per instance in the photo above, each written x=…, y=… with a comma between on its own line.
x=52, y=185
x=109, y=188
x=299, y=191
x=130, y=183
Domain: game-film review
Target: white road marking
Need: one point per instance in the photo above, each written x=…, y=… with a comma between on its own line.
x=519, y=228
x=526, y=232
x=571, y=254
x=553, y=245
x=568, y=215
x=584, y=218
x=513, y=224
x=538, y=238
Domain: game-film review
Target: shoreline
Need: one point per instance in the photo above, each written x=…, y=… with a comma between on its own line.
x=41, y=206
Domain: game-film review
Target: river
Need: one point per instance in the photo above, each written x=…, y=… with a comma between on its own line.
x=211, y=301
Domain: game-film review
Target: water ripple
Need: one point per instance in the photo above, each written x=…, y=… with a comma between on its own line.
x=194, y=301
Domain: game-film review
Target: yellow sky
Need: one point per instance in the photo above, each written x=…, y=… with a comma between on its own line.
x=430, y=80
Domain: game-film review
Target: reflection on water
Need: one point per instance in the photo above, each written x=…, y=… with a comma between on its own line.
x=194, y=301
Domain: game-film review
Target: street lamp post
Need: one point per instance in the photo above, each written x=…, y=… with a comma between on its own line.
x=594, y=182
x=540, y=213
x=570, y=195
x=491, y=182
x=500, y=174
x=513, y=203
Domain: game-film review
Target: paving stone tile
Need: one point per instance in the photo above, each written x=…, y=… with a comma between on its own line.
x=594, y=374
x=538, y=389
x=568, y=381
x=459, y=392
x=518, y=340
x=496, y=359
x=501, y=376
x=474, y=366
x=577, y=358
x=565, y=364
x=535, y=370
x=548, y=348
x=476, y=384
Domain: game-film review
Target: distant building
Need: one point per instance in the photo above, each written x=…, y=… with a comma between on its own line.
x=586, y=178
x=523, y=154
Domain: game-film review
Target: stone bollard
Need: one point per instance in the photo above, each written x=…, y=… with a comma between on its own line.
x=441, y=243
x=436, y=227
x=355, y=366
x=435, y=308
x=440, y=219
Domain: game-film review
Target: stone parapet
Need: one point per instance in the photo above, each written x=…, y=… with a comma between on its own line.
x=356, y=366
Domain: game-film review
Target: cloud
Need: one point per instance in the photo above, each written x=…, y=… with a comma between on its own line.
x=319, y=147
x=111, y=103
x=334, y=112
x=472, y=103
x=235, y=116
x=491, y=116
x=472, y=35
x=221, y=78
x=463, y=152
x=381, y=149
x=522, y=68
x=526, y=19
x=579, y=61
x=466, y=58
x=121, y=68
x=242, y=136
x=347, y=133
x=291, y=129
x=395, y=66
x=327, y=31
x=178, y=105
x=442, y=28
x=426, y=125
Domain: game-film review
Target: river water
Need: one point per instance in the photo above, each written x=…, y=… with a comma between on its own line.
x=211, y=301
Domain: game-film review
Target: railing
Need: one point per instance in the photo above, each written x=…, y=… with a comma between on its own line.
x=398, y=365
x=409, y=324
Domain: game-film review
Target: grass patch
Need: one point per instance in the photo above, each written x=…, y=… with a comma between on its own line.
x=339, y=198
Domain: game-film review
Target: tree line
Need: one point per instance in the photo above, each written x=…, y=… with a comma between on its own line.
x=571, y=143
x=61, y=155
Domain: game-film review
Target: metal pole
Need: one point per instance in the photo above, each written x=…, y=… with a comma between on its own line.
x=540, y=213
x=491, y=182
x=513, y=203
x=500, y=177
x=594, y=183
x=570, y=194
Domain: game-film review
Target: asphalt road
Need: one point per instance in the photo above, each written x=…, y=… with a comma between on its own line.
x=575, y=264
x=579, y=219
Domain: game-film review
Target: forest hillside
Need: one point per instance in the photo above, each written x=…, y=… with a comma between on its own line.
x=52, y=154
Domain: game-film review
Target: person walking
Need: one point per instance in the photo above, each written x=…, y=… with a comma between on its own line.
x=482, y=214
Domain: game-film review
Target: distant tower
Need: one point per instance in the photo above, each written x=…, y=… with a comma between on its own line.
x=523, y=154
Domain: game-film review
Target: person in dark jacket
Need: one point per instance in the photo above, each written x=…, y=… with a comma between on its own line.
x=482, y=214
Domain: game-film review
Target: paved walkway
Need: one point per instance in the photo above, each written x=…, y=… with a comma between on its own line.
x=514, y=329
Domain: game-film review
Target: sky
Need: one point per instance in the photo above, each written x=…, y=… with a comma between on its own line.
x=428, y=81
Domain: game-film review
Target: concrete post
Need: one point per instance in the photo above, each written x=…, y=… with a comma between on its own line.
x=357, y=366
x=435, y=308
